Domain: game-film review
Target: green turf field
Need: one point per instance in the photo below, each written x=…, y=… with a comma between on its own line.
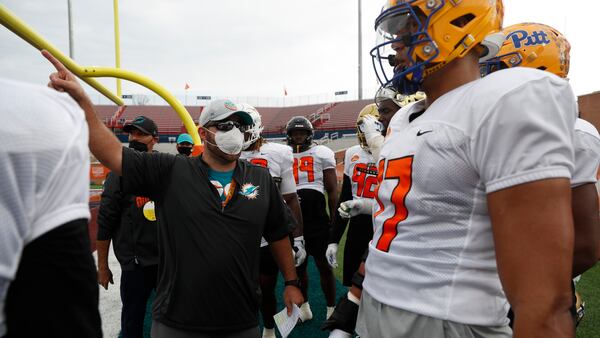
x=588, y=287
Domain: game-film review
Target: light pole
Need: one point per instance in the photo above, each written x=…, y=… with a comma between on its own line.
x=359, y=50
x=117, y=44
x=71, y=47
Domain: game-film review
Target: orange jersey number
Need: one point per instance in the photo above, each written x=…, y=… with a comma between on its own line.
x=305, y=164
x=365, y=183
x=399, y=169
x=260, y=161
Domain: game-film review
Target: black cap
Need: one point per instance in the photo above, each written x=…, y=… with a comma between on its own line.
x=143, y=124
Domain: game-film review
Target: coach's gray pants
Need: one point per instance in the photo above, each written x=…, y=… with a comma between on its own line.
x=160, y=330
x=377, y=320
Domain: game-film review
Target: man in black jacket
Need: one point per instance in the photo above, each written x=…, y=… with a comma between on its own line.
x=212, y=211
x=130, y=222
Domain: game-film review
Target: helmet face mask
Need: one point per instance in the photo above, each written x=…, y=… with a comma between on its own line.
x=253, y=132
x=425, y=35
x=531, y=45
x=299, y=123
x=388, y=93
x=400, y=26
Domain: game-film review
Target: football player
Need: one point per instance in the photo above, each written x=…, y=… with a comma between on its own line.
x=279, y=160
x=371, y=132
x=359, y=182
x=314, y=171
x=471, y=180
x=553, y=56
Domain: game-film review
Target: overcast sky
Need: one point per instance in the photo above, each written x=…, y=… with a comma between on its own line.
x=252, y=48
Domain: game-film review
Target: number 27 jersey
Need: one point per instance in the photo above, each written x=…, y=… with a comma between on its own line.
x=433, y=248
x=309, y=166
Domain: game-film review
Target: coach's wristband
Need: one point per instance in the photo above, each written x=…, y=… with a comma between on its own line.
x=292, y=282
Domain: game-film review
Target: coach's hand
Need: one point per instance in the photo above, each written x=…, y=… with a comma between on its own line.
x=63, y=80
x=105, y=276
x=292, y=295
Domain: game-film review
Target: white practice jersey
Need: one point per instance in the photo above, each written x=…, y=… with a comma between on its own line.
x=309, y=166
x=280, y=161
x=44, y=164
x=432, y=251
x=587, y=153
x=362, y=171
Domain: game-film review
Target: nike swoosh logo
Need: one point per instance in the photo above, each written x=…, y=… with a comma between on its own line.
x=419, y=133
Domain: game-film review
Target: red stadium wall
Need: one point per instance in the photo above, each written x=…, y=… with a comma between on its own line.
x=589, y=107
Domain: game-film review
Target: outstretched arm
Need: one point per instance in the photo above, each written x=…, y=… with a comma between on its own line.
x=103, y=143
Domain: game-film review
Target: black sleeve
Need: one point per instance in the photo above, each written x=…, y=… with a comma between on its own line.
x=339, y=224
x=109, y=213
x=145, y=174
x=279, y=220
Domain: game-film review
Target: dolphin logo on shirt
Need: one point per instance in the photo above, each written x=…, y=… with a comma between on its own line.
x=249, y=190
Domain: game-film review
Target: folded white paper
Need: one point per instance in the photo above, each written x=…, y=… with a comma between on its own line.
x=285, y=324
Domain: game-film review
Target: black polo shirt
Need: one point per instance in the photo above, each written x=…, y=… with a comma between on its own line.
x=208, y=254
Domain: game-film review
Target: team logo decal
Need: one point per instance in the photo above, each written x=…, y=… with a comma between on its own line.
x=522, y=38
x=230, y=105
x=149, y=211
x=249, y=190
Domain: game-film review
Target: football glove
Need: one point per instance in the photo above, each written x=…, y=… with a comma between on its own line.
x=344, y=316
x=331, y=255
x=355, y=207
x=299, y=250
x=371, y=127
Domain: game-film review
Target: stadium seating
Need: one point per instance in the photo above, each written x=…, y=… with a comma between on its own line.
x=339, y=116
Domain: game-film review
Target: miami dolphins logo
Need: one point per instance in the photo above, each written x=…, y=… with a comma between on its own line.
x=230, y=105
x=249, y=190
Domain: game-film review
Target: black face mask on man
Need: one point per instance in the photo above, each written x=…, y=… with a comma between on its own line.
x=139, y=146
x=187, y=151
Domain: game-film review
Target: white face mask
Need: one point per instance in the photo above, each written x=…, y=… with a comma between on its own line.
x=230, y=142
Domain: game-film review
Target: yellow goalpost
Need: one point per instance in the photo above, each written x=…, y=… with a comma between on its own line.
x=87, y=74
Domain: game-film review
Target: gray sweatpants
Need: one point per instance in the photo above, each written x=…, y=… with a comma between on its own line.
x=377, y=320
x=160, y=330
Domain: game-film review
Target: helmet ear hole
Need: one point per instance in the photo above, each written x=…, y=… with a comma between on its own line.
x=462, y=21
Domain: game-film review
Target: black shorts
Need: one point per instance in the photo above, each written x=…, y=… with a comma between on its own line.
x=55, y=291
x=316, y=244
x=268, y=266
x=360, y=233
x=314, y=212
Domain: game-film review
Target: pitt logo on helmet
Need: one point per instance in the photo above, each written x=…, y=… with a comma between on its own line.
x=522, y=38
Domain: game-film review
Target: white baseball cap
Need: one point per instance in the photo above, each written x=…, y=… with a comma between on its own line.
x=218, y=110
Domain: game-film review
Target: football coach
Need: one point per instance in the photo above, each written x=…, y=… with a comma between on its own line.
x=212, y=211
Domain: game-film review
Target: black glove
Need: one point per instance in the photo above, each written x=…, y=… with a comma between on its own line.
x=343, y=317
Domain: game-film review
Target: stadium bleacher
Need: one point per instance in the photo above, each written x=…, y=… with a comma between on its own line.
x=340, y=116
